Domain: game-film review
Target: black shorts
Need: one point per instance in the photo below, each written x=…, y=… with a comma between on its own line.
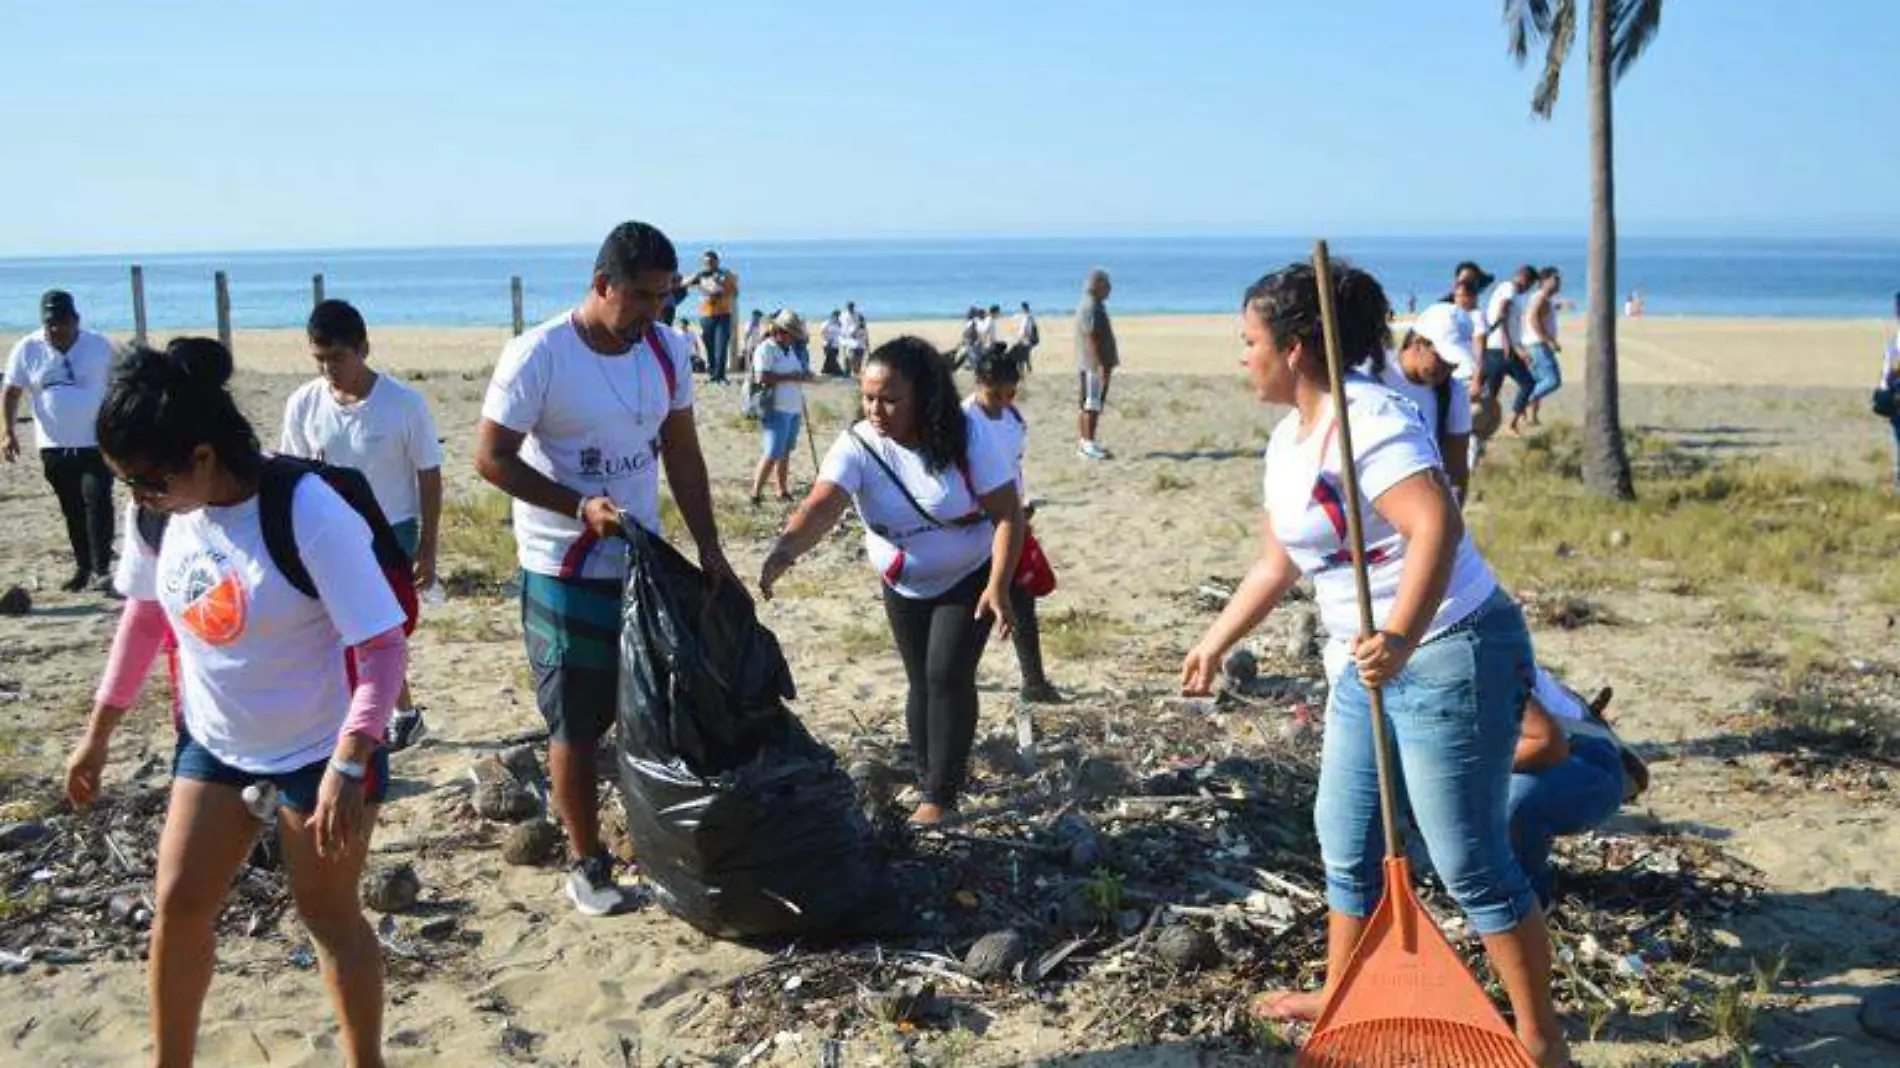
x=572, y=630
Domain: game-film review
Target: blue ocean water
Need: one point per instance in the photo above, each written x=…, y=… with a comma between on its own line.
x=938, y=278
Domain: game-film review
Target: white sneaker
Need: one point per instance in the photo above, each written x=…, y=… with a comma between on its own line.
x=591, y=887
x=1089, y=450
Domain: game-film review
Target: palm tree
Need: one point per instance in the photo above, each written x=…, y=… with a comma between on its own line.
x=1619, y=32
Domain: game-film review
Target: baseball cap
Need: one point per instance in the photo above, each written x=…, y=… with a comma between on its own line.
x=56, y=305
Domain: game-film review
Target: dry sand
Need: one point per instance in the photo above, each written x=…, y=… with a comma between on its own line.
x=1187, y=438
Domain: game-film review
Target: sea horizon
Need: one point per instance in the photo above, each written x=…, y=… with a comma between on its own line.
x=938, y=277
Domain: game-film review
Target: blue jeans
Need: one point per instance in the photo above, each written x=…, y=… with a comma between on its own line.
x=1547, y=378
x=1454, y=712
x=778, y=433
x=1574, y=796
x=716, y=331
x=1498, y=366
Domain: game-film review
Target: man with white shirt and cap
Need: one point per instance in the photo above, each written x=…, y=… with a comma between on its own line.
x=1448, y=324
x=64, y=369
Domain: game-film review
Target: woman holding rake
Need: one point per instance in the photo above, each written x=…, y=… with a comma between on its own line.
x=1451, y=651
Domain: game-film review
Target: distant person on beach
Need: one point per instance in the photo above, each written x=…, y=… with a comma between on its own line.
x=719, y=293
x=1028, y=336
x=1095, y=361
x=778, y=368
x=1633, y=307
x=1504, y=353
x=970, y=341
x=854, y=334
x=992, y=322
x=350, y=416
x=1540, y=337
x=1448, y=323
x=1570, y=773
x=994, y=402
x=1890, y=381
x=831, y=335
x=1451, y=651
x=582, y=413
x=943, y=528
x=271, y=686
x=754, y=333
x=63, y=370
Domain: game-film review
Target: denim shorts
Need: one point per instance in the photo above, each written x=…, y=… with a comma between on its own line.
x=778, y=433
x=408, y=535
x=1454, y=714
x=296, y=788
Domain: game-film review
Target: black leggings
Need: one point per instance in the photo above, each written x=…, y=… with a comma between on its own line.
x=1027, y=637
x=941, y=641
x=83, y=484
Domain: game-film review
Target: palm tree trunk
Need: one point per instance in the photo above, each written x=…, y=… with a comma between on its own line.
x=1606, y=465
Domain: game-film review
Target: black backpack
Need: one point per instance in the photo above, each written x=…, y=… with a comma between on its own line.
x=275, y=490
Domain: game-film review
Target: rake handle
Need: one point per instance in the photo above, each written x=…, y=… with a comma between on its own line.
x=1355, y=535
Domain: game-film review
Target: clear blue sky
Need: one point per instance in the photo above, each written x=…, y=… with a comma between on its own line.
x=206, y=124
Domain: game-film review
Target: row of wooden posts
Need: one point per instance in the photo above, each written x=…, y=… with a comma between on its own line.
x=221, y=286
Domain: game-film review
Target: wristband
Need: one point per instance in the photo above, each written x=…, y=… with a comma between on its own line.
x=349, y=769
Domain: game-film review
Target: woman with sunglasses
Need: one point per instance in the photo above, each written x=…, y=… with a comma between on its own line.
x=264, y=693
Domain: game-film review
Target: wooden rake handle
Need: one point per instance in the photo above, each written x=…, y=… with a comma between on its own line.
x=1356, y=536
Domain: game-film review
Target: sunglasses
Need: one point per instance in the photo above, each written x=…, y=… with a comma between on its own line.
x=150, y=485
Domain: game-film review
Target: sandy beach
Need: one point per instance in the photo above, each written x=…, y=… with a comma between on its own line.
x=1177, y=505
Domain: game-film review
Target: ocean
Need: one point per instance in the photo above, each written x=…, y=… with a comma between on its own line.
x=939, y=278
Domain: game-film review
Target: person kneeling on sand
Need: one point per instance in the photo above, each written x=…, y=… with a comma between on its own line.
x=1421, y=375
x=943, y=528
x=1569, y=774
x=264, y=690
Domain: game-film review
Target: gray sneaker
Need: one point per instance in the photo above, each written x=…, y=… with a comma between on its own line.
x=591, y=887
x=406, y=728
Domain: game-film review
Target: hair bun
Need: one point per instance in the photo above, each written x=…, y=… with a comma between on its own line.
x=202, y=362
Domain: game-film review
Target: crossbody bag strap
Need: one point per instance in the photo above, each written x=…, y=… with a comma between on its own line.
x=891, y=473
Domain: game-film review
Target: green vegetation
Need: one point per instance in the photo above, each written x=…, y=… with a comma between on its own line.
x=1077, y=634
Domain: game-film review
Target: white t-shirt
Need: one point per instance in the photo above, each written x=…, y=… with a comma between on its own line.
x=985, y=332
x=593, y=425
x=1503, y=309
x=773, y=357
x=918, y=559
x=1890, y=364
x=261, y=673
x=65, y=389
x=1425, y=399
x=1557, y=699
x=1026, y=329
x=833, y=329
x=1009, y=432
x=1530, y=329
x=1305, y=498
x=388, y=436
x=851, y=331
x=1448, y=328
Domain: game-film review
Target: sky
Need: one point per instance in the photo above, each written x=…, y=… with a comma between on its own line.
x=199, y=125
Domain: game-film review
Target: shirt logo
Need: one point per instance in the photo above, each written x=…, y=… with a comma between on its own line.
x=590, y=463
x=216, y=607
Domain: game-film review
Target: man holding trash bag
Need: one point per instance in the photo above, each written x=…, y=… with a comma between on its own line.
x=581, y=413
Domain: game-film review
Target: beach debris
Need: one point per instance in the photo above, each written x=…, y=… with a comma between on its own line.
x=506, y=800
x=907, y=1001
x=1619, y=539
x=391, y=887
x=996, y=954
x=16, y=601
x=613, y=831
x=1186, y=948
x=531, y=843
x=22, y=833
x=1083, y=845
x=1241, y=666
x=1564, y=611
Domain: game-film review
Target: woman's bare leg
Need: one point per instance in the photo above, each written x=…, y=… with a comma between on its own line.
x=208, y=833
x=325, y=890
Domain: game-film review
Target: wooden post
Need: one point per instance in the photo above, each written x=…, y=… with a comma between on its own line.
x=222, y=285
x=514, y=289
x=138, y=304
x=316, y=289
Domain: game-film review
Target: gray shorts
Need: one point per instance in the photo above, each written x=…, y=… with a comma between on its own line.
x=1093, y=393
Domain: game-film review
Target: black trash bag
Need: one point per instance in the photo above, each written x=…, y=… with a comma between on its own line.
x=744, y=823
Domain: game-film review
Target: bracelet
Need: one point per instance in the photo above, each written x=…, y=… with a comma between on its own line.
x=580, y=510
x=349, y=769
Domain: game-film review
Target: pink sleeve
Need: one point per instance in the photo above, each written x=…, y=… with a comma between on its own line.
x=141, y=634
x=381, y=663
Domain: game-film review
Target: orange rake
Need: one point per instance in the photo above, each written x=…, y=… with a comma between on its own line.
x=1406, y=1000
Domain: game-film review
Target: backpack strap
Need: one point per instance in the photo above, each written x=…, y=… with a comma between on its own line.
x=666, y=364
x=151, y=527
x=962, y=521
x=276, y=490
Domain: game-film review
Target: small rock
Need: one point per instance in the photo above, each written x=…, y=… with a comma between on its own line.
x=392, y=888
x=16, y=602
x=22, y=834
x=1302, y=641
x=1619, y=539
x=996, y=954
x=1087, y=849
x=908, y=1002
x=1073, y=913
x=1187, y=949
x=522, y=763
x=440, y=929
x=1129, y=921
x=507, y=800
x=1099, y=777
x=1242, y=666
x=530, y=844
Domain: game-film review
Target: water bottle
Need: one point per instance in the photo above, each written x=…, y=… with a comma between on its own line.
x=261, y=799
